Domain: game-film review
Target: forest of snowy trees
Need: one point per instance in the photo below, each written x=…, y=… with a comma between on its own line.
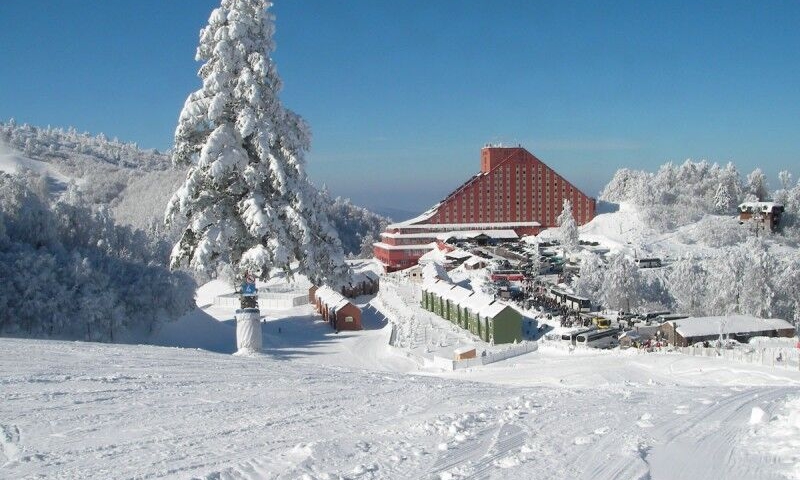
x=751, y=271
x=70, y=272
x=103, y=246
x=682, y=194
x=748, y=278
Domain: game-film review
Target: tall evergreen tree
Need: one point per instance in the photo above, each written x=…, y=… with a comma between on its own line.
x=246, y=198
x=567, y=228
x=688, y=286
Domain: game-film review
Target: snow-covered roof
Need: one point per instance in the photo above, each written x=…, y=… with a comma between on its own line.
x=472, y=261
x=365, y=276
x=434, y=270
x=331, y=298
x=419, y=218
x=440, y=287
x=433, y=256
x=457, y=294
x=505, y=234
x=765, y=207
x=633, y=335
x=458, y=254
x=476, y=301
x=492, y=309
x=463, y=350
x=418, y=246
x=705, y=326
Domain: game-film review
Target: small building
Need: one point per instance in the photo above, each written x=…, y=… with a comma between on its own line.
x=337, y=310
x=503, y=323
x=414, y=274
x=767, y=213
x=629, y=339
x=312, y=294
x=464, y=353
x=741, y=328
x=474, y=263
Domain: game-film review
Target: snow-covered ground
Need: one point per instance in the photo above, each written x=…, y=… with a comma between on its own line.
x=13, y=162
x=322, y=405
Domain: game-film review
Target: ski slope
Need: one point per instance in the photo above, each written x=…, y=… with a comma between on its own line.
x=318, y=405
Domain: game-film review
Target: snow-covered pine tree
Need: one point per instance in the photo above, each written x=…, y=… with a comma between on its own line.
x=246, y=198
x=687, y=285
x=621, y=288
x=725, y=281
x=589, y=282
x=757, y=184
x=535, y=262
x=567, y=228
x=758, y=279
x=722, y=199
x=787, y=304
x=782, y=195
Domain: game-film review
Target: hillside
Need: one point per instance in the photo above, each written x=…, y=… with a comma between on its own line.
x=136, y=184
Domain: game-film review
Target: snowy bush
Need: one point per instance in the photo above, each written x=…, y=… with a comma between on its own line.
x=70, y=272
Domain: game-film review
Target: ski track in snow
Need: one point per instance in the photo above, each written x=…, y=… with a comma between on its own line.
x=81, y=410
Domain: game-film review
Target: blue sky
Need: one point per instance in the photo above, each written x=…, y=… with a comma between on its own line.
x=401, y=95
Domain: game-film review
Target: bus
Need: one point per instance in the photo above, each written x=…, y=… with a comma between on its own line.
x=576, y=303
x=572, y=336
x=599, y=338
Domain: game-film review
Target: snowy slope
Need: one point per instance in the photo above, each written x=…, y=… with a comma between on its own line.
x=76, y=410
x=320, y=405
x=13, y=162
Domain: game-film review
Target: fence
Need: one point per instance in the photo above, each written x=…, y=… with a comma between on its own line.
x=782, y=357
x=489, y=357
x=267, y=299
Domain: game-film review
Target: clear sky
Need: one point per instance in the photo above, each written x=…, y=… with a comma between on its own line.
x=402, y=94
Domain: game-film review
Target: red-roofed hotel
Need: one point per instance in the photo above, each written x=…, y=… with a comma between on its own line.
x=514, y=194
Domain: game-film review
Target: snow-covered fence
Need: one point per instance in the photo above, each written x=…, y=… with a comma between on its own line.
x=267, y=299
x=489, y=357
x=510, y=351
x=784, y=357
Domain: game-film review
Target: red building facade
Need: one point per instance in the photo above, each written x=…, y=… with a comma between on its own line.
x=514, y=190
